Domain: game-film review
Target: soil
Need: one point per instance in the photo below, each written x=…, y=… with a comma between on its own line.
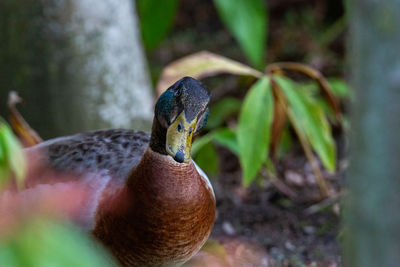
x=299, y=231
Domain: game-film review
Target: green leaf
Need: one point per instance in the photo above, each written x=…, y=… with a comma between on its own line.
x=207, y=158
x=156, y=18
x=204, y=151
x=12, y=159
x=223, y=136
x=221, y=110
x=247, y=21
x=199, y=142
x=254, y=128
x=227, y=138
x=311, y=120
x=269, y=165
x=339, y=87
x=286, y=143
x=47, y=243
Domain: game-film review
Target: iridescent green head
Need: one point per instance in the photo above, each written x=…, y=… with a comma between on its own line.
x=180, y=112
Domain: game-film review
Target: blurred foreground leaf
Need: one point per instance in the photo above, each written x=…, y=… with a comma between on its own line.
x=214, y=247
x=12, y=159
x=247, y=21
x=200, y=65
x=156, y=18
x=47, y=243
x=254, y=128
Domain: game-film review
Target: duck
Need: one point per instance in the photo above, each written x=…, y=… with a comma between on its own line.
x=148, y=202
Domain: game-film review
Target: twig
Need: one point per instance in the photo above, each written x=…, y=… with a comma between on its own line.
x=25, y=133
x=323, y=204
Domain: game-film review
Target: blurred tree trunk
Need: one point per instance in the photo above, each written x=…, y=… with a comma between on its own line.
x=78, y=64
x=372, y=215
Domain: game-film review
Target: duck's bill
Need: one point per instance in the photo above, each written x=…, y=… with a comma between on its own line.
x=179, y=138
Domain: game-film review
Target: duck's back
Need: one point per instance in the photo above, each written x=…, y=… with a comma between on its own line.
x=114, y=151
x=94, y=161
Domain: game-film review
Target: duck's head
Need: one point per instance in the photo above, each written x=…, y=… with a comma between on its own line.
x=180, y=112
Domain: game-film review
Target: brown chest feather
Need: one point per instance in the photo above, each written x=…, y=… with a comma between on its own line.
x=161, y=218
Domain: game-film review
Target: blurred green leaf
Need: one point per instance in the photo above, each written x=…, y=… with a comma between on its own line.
x=207, y=158
x=199, y=142
x=47, y=243
x=254, y=128
x=247, y=21
x=311, y=120
x=320, y=101
x=223, y=136
x=221, y=110
x=309, y=87
x=227, y=138
x=286, y=143
x=12, y=159
x=269, y=165
x=156, y=18
x=339, y=87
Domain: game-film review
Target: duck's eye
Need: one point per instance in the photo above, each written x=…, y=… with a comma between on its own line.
x=179, y=128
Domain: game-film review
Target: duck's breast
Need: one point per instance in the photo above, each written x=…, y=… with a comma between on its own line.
x=162, y=218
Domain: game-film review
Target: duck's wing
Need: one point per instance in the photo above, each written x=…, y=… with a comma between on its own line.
x=86, y=163
x=114, y=151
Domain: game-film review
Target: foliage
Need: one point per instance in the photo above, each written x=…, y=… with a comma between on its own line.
x=44, y=242
x=272, y=102
x=245, y=19
x=156, y=18
x=310, y=120
x=12, y=161
x=253, y=131
x=222, y=110
x=28, y=235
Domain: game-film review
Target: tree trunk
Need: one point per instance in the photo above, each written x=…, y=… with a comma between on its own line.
x=78, y=64
x=372, y=215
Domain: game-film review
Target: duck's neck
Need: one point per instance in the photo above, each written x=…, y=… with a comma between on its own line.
x=167, y=179
x=157, y=140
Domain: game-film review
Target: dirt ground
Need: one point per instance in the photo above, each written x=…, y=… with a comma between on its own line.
x=299, y=231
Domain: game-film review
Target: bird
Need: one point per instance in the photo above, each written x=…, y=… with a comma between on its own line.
x=148, y=202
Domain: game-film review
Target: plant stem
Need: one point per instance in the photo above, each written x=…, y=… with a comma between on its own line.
x=323, y=185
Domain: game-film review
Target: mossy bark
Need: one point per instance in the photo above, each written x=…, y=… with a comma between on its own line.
x=78, y=64
x=372, y=211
